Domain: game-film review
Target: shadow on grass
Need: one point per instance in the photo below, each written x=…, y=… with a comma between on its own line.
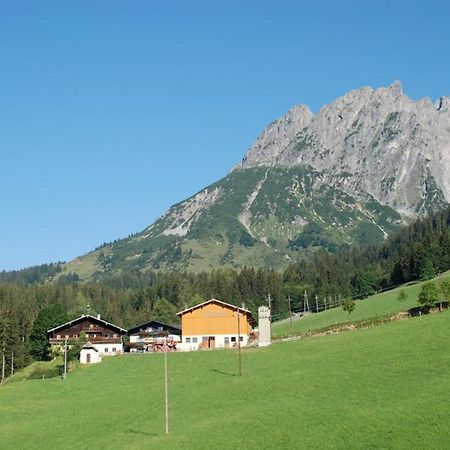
x=221, y=372
x=143, y=433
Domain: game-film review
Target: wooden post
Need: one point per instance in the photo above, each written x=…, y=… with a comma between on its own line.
x=290, y=314
x=12, y=362
x=4, y=348
x=3, y=367
x=239, y=339
x=317, y=304
x=306, y=302
x=65, y=359
x=166, y=384
x=325, y=302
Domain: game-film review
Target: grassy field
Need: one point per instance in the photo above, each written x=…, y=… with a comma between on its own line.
x=380, y=305
x=383, y=387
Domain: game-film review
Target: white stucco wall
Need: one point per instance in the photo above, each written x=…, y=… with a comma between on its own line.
x=107, y=349
x=188, y=342
x=95, y=357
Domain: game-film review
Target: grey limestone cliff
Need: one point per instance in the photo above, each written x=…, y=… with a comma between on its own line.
x=369, y=142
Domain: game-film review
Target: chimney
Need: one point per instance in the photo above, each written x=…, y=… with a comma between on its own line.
x=98, y=316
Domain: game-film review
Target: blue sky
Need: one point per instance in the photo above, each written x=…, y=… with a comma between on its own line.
x=111, y=111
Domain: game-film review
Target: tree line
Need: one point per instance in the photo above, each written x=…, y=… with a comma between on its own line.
x=30, y=304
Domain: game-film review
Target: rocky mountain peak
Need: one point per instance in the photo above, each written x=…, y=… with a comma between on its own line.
x=378, y=142
x=343, y=176
x=442, y=104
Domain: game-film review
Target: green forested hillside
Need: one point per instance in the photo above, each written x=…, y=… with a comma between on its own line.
x=384, y=387
x=418, y=251
x=261, y=216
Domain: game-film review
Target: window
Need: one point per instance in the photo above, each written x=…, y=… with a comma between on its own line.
x=241, y=338
x=226, y=340
x=58, y=336
x=67, y=336
x=194, y=340
x=188, y=340
x=75, y=336
x=160, y=328
x=106, y=349
x=91, y=325
x=233, y=338
x=205, y=338
x=114, y=335
x=106, y=336
x=114, y=349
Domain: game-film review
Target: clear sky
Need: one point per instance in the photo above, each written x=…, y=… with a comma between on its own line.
x=112, y=111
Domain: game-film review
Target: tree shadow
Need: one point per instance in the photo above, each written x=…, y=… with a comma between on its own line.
x=227, y=374
x=143, y=433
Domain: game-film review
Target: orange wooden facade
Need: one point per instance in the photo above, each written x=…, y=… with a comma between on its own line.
x=215, y=318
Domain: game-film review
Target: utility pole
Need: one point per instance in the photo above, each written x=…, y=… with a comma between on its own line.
x=3, y=366
x=65, y=359
x=306, y=302
x=290, y=314
x=166, y=384
x=4, y=348
x=239, y=339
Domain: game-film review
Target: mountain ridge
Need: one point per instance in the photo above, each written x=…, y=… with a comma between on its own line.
x=350, y=174
x=338, y=127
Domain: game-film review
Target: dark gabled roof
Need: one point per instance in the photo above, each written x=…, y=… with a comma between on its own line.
x=155, y=323
x=89, y=346
x=94, y=319
x=227, y=305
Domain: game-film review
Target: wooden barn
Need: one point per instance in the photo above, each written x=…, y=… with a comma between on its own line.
x=152, y=335
x=215, y=324
x=105, y=337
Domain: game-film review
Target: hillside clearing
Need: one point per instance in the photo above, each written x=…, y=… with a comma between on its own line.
x=385, y=304
x=385, y=387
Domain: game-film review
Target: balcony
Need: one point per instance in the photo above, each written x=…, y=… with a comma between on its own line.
x=91, y=339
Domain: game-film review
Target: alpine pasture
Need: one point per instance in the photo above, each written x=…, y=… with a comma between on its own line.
x=384, y=305
x=381, y=387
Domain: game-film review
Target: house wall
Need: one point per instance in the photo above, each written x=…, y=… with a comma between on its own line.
x=95, y=357
x=136, y=338
x=94, y=332
x=196, y=342
x=214, y=319
x=109, y=349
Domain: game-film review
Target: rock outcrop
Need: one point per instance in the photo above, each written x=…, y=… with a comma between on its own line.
x=375, y=142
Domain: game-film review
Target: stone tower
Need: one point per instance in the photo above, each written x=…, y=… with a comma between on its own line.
x=264, y=326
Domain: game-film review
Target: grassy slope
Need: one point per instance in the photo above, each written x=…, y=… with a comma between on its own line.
x=377, y=305
x=384, y=387
x=287, y=197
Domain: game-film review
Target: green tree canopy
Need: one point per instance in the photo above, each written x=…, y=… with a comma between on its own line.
x=428, y=295
x=348, y=305
x=47, y=318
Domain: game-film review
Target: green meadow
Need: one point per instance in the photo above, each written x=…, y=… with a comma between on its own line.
x=382, y=387
x=385, y=304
